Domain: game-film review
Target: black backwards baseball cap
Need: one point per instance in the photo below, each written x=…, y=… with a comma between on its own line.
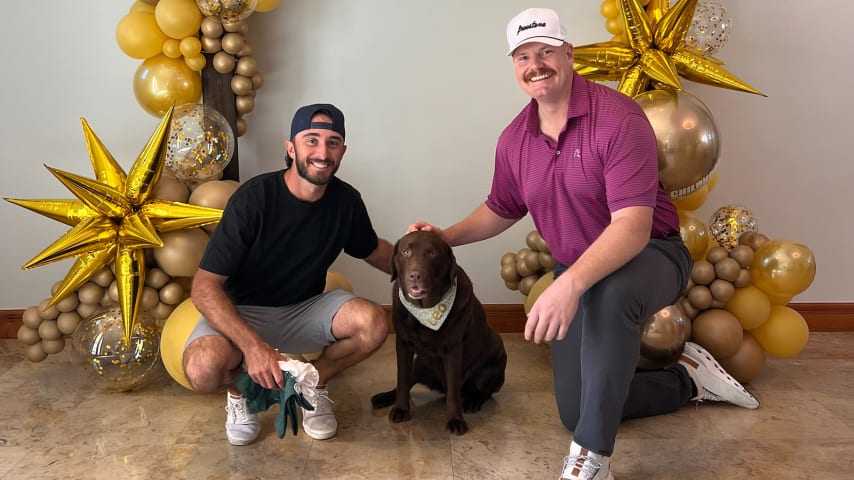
x=302, y=119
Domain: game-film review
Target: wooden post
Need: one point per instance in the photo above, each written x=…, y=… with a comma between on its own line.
x=217, y=93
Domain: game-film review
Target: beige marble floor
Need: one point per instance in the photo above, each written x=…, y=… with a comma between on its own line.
x=53, y=426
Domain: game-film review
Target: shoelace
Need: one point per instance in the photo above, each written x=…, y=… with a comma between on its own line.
x=589, y=467
x=321, y=401
x=236, y=412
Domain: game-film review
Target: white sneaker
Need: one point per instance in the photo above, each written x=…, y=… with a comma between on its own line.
x=241, y=427
x=712, y=381
x=582, y=464
x=320, y=423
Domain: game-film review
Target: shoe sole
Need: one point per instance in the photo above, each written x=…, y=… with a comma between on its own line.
x=319, y=436
x=710, y=363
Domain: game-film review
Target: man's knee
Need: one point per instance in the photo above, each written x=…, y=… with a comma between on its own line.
x=205, y=363
x=371, y=322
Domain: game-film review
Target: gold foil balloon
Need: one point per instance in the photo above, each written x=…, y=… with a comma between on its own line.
x=662, y=337
x=694, y=233
x=161, y=82
x=687, y=139
x=114, y=363
x=710, y=28
x=227, y=11
x=783, y=268
x=200, y=144
x=729, y=222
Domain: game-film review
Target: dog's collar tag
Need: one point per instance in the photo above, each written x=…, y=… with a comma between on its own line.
x=435, y=316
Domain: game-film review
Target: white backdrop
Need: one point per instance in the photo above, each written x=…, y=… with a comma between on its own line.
x=426, y=89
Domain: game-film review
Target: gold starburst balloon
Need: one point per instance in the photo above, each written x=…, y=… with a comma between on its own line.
x=114, y=219
x=654, y=53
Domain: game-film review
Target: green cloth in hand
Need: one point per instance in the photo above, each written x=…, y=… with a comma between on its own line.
x=259, y=399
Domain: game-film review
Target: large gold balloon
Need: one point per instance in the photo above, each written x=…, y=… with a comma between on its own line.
x=694, y=233
x=687, y=139
x=747, y=362
x=113, y=362
x=139, y=36
x=729, y=222
x=161, y=82
x=177, y=329
x=750, y=306
x=537, y=289
x=784, y=334
x=662, y=337
x=783, y=268
x=178, y=18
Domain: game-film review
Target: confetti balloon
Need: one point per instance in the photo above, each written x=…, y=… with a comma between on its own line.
x=710, y=28
x=227, y=11
x=729, y=222
x=200, y=144
x=100, y=350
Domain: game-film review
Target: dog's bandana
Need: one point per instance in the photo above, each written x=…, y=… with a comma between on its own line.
x=435, y=316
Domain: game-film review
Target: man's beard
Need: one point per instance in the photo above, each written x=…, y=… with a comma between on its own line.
x=302, y=170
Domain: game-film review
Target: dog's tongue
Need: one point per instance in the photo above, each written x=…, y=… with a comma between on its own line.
x=416, y=293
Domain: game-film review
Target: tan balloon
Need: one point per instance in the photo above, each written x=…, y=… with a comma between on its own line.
x=727, y=269
x=172, y=189
x=150, y=298
x=172, y=293
x=47, y=312
x=211, y=28
x=213, y=194
x=241, y=85
x=104, y=277
x=257, y=81
x=716, y=254
x=240, y=126
x=223, y=62
x=527, y=283
x=90, y=293
x=35, y=352
x=27, y=335
x=87, y=309
x=246, y=66
x=722, y=291
x=244, y=104
x=181, y=252
x=703, y=272
x=537, y=289
x=718, y=331
x=546, y=260
x=234, y=26
x=156, y=278
x=508, y=258
x=53, y=346
x=744, y=278
x=32, y=318
x=211, y=45
x=67, y=322
x=232, y=43
x=68, y=304
x=509, y=273
x=747, y=362
x=700, y=297
x=162, y=311
x=49, y=331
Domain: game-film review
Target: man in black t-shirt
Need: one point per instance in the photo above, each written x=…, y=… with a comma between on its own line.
x=260, y=284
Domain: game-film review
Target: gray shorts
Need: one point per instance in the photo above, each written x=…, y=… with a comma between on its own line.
x=304, y=327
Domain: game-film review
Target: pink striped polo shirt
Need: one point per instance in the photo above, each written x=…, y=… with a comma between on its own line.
x=605, y=159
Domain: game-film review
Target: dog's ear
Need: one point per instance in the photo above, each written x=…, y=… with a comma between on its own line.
x=394, y=262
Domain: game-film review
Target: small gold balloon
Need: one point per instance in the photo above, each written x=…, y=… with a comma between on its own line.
x=244, y=104
x=232, y=43
x=223, y=62
x=240, y=126
x=257, y=81
x=211, y=45
x=246, y=66
x=241, y=85
x=211, y=28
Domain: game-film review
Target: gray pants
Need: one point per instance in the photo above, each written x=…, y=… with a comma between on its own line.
x=594, y=365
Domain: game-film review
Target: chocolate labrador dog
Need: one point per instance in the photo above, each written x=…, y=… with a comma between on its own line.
x=443, y=340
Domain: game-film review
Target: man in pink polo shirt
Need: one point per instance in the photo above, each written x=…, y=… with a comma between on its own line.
x=581, y=158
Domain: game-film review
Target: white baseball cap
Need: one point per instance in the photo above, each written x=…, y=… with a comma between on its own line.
x=535, y=25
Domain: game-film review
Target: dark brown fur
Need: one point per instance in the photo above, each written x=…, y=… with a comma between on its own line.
x=465, y=358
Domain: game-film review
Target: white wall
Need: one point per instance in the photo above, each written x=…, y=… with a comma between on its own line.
x=426, y=89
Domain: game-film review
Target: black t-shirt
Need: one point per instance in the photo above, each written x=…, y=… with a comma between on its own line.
x=275, y=249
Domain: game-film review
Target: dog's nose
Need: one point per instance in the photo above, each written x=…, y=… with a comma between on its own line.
x=414, y=275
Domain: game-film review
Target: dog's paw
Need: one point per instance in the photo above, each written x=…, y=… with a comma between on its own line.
x=398, y=415
x=457, y=426
x=383, y=399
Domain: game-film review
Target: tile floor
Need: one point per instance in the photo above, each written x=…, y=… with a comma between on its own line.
x=53, y=427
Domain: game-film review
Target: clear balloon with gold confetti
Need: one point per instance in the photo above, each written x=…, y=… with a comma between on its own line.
x=109, y=360
x=200, y=144
x=729, y=222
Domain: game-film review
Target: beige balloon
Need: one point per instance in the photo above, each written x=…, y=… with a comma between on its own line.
x=244, y=104
x=257, y=81
x=49, y=331
x=232, y=42
x=54, y=346
x=32, y=318
x=150, y=298
x=68, y=303
x=234, y=26
x=27, y=335
x=172, y=293
x=240, y=126
x=211, y=28
x=162, y=311
x=48, y=312
x=246, y=66
x=213, y=194
x=87, y=309
x=240, y=84
x=35, y=352
x=90, y=293
x=68, y=321
x=181, y=252
x=223, y=62
x=171, y=189
x=210, y=44
x=105, y=277
x=156, y=278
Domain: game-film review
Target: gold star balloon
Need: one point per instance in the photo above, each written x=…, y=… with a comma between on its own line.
x=654, y=52
x=114, y=219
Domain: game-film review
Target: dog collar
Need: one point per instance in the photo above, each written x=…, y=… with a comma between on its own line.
x=432, y=317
